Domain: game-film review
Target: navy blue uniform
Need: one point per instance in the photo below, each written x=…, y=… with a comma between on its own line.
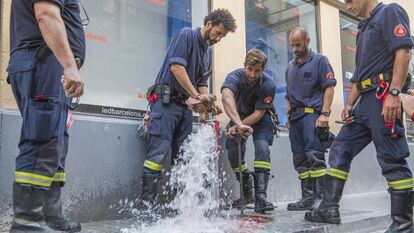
x=171, y=123
x=306, y=82
x=39, y=94
x=379, y=36
x=248, y=99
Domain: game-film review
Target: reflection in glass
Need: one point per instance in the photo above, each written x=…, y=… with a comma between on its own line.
x=126, y=44
x=268, y=24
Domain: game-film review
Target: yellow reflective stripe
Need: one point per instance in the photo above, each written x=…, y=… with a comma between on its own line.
x=32, y=182
x=27, y=174
x=338, y=173
x=401, y=184
x=317, y=173
x=304, y=175
x=262, y=164
x=32, y=179
x=60, y=176
x=308, y=110
x=153, y=166
x=366, y=83
x=237, y=169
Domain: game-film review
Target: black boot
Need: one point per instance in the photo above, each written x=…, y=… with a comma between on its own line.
x=248, y=190
x=27, y=208
x=261, y=181
x=401, y=211
x=317, y=192
x=53, y=213
x=306, y=202
x=328, y=210
x=149, y=193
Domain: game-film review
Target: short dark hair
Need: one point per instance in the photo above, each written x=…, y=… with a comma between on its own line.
x=221, y=16
x=254, y=57
x=303, y=31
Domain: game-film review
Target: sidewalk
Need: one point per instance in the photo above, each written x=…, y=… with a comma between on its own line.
x=361, y=213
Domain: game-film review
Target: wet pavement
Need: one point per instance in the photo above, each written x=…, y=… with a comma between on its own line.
x=361, y=213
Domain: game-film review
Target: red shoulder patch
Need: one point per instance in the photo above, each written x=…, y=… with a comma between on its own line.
x=329, y=75
x=268, y=100
x=400, y=30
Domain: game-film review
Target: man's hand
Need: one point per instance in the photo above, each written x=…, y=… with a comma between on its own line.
x=392, y=108
x=231, y=132
x=217, y=110
x=72, y=82
x=207, y=98
x=408, y=104
x=322, y=122
x=347, y=118
x=243, y=130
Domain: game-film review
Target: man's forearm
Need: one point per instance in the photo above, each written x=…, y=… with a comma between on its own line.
x=182, y=77
x=353, y=95
x=53, y=31
x=203, y=90
x=254, y=117
x=400, y=70
x=328, y=98
x=229, y=104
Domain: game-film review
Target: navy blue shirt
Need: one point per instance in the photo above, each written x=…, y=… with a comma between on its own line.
x=25, y=32
x=250, y=98
x=306, y=82
x=188, y=49
x=386, y=30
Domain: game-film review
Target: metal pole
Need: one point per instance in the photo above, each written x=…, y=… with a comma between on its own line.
x=239, y=138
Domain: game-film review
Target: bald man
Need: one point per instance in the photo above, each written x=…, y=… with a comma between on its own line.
x=310, y=89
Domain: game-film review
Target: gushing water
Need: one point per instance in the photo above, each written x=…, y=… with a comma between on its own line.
x=196, y=182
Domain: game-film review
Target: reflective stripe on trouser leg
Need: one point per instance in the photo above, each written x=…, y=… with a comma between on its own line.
x=401, y=184
x=153, y=166
x=304, y=175
x=317, y=173
x=242, y=169
x=338, y=173
x=262, y=164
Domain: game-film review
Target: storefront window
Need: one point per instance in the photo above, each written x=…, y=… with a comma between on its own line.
x=349, y=30
x=268, y=24
x=126, y=45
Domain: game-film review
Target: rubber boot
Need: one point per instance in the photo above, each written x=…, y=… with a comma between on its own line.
x=318, y=192
x=328, y=210
x=53, y=212
x=307, y=200
x=248, y=190
x=401, y=211
x=261, y=180
x=149, y=193
x=27, y=209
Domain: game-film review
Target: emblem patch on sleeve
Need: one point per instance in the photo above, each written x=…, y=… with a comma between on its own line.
x=400, y=30
x=268, y=100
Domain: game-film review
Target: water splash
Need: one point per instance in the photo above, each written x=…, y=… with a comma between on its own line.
x=196, y=183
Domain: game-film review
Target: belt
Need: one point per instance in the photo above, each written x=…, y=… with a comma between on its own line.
x=159, y=90
x=372, y=82
x=308, y=110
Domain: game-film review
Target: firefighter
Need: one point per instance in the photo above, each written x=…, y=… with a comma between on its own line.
x=310, y=89
x=182, y=77
x=248, y=95
x=373, y=112
x=47, y=41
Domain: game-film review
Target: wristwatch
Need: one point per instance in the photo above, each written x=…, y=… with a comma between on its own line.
x=394, y=92
x=327, y=114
